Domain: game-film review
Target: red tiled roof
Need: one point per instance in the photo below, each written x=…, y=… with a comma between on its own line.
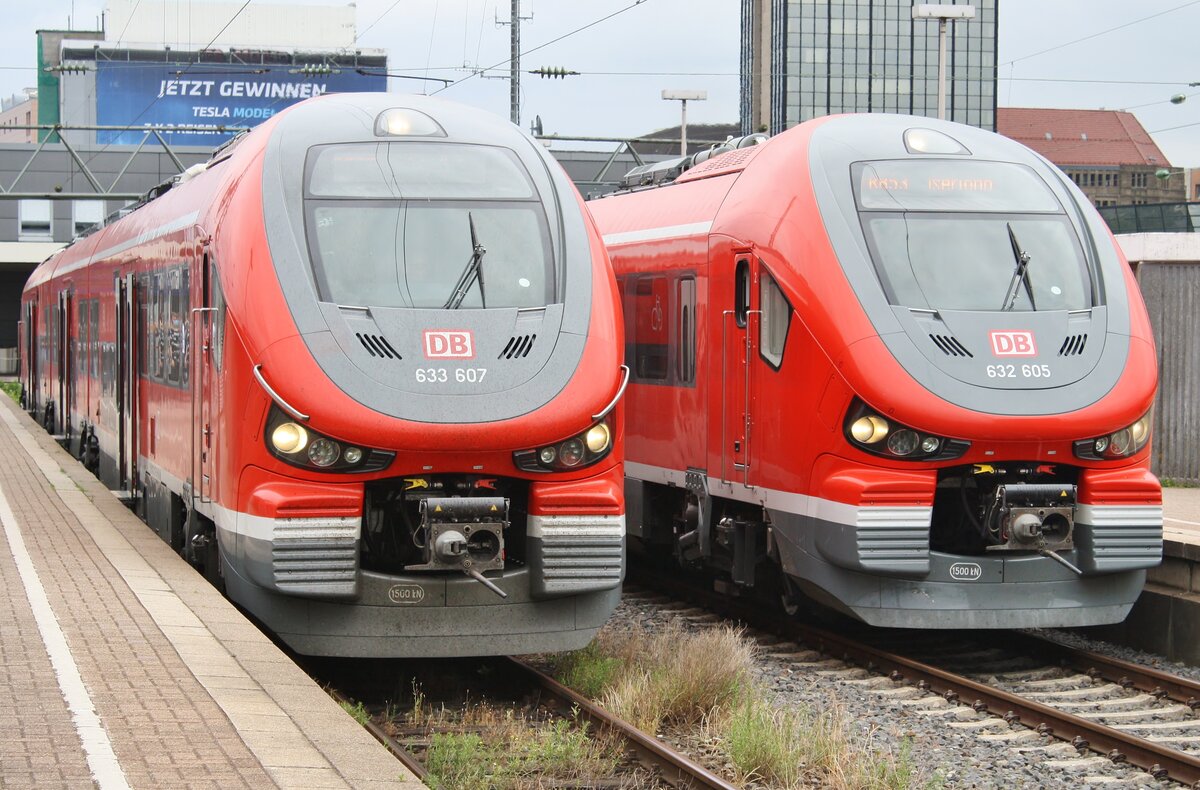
x=1081, y=137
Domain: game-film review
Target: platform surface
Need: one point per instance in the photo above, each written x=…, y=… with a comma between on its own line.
x=1181, y=515
x=120, y=666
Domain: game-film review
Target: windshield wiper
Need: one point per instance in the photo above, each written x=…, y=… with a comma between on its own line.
x=1020, y=275
x=472, y=272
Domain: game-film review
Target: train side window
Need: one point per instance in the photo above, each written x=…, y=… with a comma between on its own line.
x=143, y=321
x=741, y=292
x=218, y=315
x=174, y=327
x=95, y=338
x=776, y=318
x=158, y=333
x=79, y=344
x=651, y=303
x=185, y=326
x=685, y=359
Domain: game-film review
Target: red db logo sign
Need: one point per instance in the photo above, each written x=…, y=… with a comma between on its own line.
x=1013, y=344
x=449, y=344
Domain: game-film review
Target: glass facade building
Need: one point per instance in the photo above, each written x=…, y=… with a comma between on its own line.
x=839, y=56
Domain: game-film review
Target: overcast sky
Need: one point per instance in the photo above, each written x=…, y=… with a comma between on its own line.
x=1084, y=54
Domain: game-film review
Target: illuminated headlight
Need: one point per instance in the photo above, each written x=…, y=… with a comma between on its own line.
x=869, y=429
x=598, y=438
x=303, y=447
x=572, y=453
x=872, y=432
x=405, y=122
x=289, y=438
x=1118, y=444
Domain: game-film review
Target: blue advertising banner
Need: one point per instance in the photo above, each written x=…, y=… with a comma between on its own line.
x=208, y=95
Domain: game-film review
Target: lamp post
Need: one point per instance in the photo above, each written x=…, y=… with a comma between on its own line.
x=683, y=97
x=942, y=13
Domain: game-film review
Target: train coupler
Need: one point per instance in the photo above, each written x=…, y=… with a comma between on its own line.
x=464, y=534
x=1032, y=517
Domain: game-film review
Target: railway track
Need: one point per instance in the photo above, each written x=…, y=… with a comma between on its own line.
x=667, y=766
x=1114, y=710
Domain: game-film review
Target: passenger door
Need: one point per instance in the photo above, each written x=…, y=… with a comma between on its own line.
x=30, y=373
x=739, y=333
x=203, y=378
x=66, y=366
x=127, y=377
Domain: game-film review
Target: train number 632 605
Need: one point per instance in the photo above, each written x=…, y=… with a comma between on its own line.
x=1021, y=371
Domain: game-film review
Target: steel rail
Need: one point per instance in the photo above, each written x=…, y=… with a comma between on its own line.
x=1124, y=673
x=676, y=769
x=1159, y=761
x=391, y=744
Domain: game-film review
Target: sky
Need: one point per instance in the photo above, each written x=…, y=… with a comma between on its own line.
x=1083, y=54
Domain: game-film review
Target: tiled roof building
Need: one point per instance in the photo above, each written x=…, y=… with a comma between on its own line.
x=1106, y=152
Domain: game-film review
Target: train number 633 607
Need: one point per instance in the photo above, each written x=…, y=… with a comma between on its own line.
x=460, y=375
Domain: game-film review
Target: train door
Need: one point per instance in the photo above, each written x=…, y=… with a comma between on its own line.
x=128, y=334
x=30, y=372
x=65, y=364
x=739, y=333
x=203, y=380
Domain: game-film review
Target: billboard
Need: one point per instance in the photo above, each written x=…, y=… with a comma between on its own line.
x=207, y=95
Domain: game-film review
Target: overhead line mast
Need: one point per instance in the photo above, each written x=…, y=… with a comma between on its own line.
x=514, y=61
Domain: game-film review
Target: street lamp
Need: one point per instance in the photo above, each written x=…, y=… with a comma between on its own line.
x=683, y=97
x=943, y=14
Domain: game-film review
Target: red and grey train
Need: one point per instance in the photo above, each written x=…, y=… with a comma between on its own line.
x=903, y=362
x=363, y=367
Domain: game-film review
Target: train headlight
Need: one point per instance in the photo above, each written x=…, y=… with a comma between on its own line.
x=873, y=433
x=904, y=442
x=303, y=447
x=570, y=452
x=1118, y=444
x=405, y=122
x=323, y=452
x=928, y=141
x=870, y=429
x=598, y=438
x=574, y=452
x=289, y=438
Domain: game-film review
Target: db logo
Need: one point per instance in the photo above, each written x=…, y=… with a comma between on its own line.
x=449, y=345
x=1013, y=344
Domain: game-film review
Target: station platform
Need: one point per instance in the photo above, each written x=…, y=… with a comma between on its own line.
x=1166, y=618
x=120, y=666
x=1181, y=515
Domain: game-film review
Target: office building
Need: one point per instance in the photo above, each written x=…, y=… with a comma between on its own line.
x=802, y=59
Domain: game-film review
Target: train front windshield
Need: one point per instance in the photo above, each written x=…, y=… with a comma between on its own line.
x=967, y=235
x=426, y=225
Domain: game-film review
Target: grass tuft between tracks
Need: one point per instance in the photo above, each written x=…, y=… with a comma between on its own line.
x=499, y=748
x=681, y=679
x=12, y=388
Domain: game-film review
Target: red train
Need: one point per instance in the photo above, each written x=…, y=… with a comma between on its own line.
x=900, y=360
x=363, y=368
